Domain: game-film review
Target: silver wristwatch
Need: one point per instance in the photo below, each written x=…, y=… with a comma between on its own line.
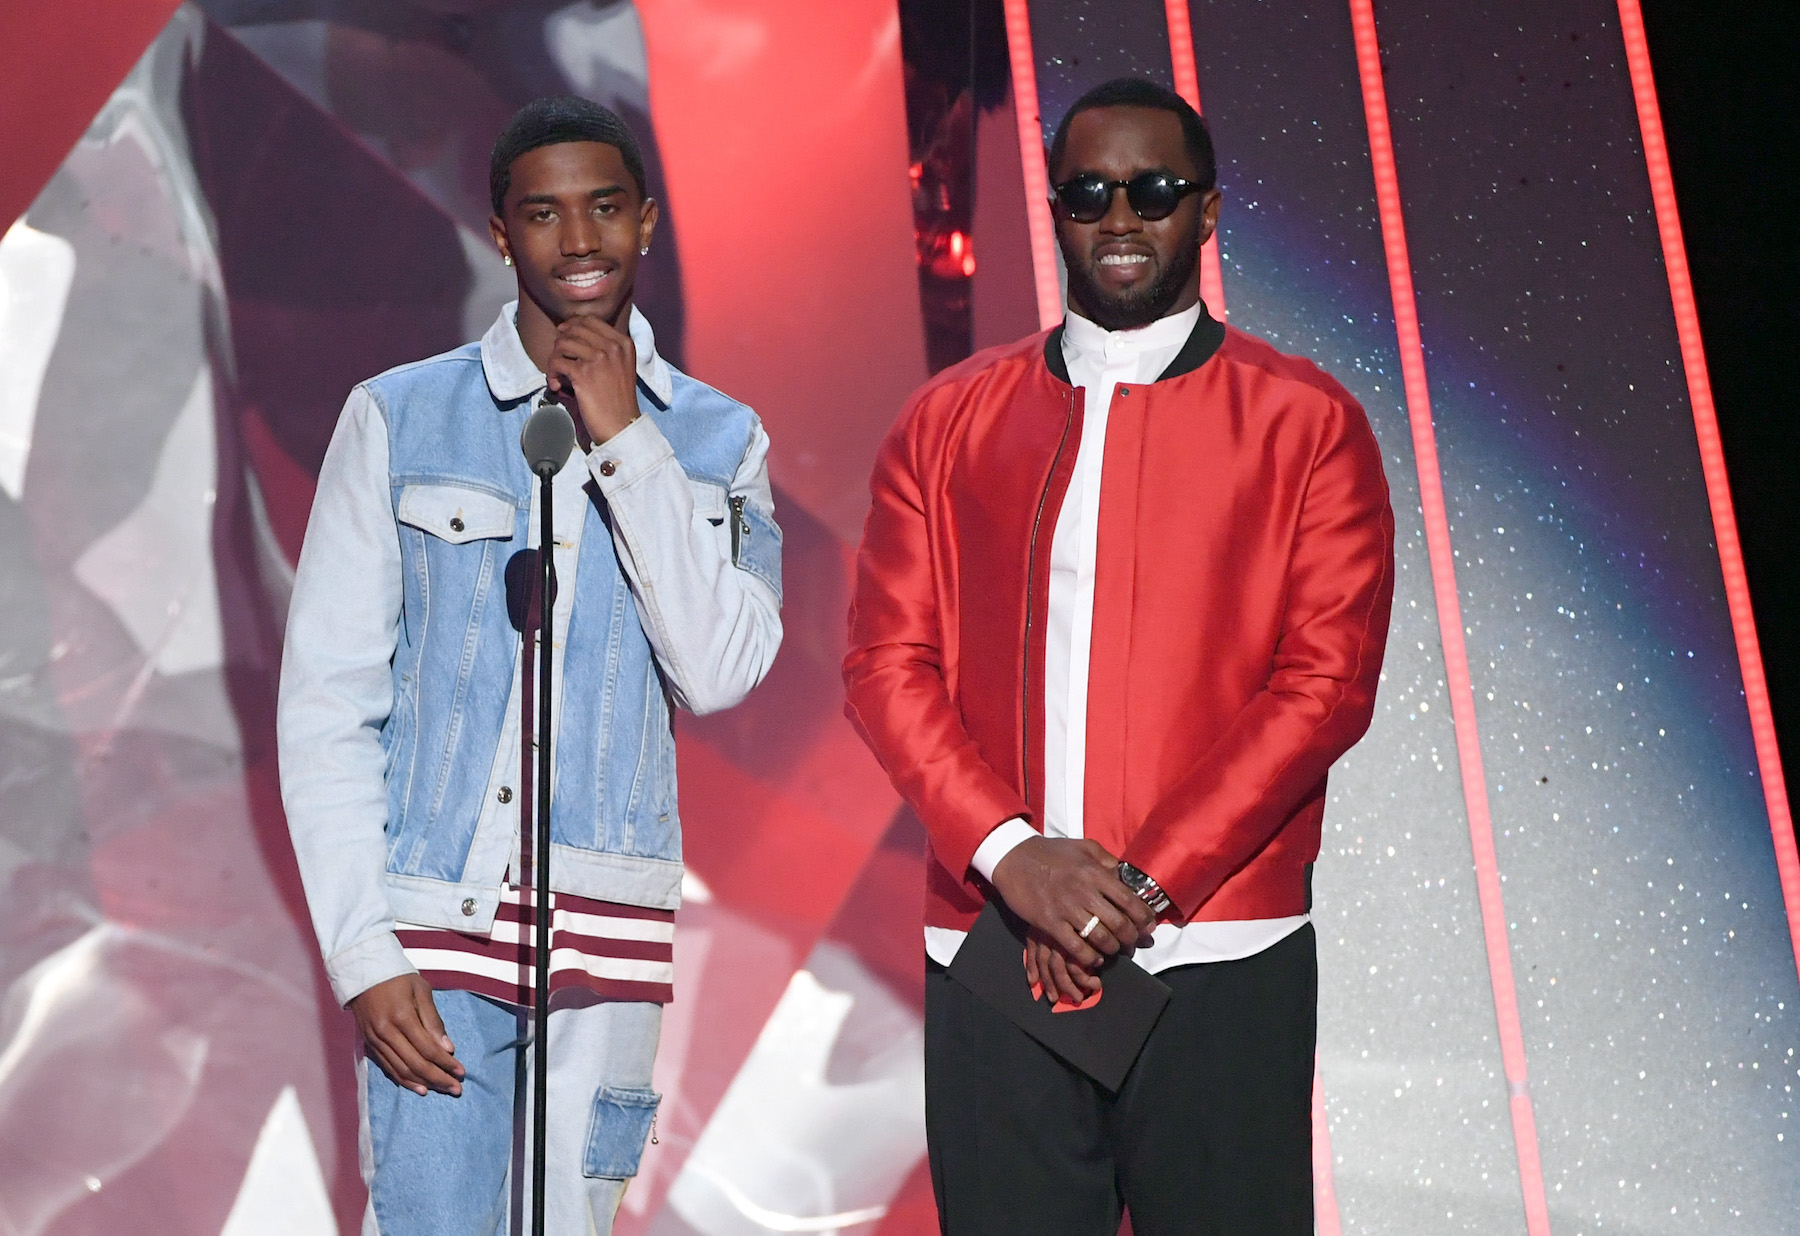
x=1148, y=890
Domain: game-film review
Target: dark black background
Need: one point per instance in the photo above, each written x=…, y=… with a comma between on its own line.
x=1726, y=79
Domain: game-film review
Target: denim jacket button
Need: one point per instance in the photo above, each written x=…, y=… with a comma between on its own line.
x=456, y=523
x=468, y=907
x=505, y=794
x=608, y=467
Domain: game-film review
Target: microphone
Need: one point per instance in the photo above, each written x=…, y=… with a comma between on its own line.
x=548, y=438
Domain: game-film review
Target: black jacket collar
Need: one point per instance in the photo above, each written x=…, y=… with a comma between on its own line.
x=1208, y=334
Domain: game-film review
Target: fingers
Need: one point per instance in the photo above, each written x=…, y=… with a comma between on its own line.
x=417, y=1055
x=1142, y=918
x=589, y=326
x=425, y=1054
x=581, y=338
x=1121, y=919
x=1117, y=929
x=415, y=1052
x=393, y=1066
x=581, y=341
x=394, y=1052
x=1100, y=939
x=592, y=369
x=1068, y=940
x=405, y=1065
x=1070, y=987
x=433, y=1026
x=1041, y=962
x=1060, y=979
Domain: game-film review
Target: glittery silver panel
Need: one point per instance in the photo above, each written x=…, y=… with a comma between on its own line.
x=1408, y=1052
x=1654, y=975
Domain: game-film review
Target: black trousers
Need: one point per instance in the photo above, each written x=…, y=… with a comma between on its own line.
x=1210, y=1135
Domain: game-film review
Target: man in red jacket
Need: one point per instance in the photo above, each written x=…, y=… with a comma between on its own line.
x=1121, y=601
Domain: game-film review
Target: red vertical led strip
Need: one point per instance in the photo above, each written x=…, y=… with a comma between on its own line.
x=1449, y=610
x=1031, y=161
x=1187, y=85
x=1712, y=464
x=1326, y=1221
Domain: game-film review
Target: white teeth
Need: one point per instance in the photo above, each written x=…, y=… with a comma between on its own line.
x=1124, y=259
x=584, y=279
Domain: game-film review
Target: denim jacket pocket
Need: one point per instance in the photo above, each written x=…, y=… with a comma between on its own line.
x=616, y=1135
x=455, y=513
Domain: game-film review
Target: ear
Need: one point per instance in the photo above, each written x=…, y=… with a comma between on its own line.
x=1209, y=213
x=497, y=229
x=648, y=214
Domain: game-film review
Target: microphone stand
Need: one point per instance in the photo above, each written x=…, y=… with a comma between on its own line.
x=547, y=440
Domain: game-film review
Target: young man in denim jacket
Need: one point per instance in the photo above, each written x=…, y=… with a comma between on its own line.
x=400, y=742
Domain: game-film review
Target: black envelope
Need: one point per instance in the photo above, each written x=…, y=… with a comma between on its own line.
x=1102, y=1040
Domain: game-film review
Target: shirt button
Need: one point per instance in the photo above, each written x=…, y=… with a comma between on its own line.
x=608, y=467
x=1124, y=390
x=456, y=523
x=468, y=907
x=505, y=794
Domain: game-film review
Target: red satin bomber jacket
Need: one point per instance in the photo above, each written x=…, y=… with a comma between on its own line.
x=1244, y=580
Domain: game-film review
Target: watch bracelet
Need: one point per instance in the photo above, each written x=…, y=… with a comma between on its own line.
x=1144, y=887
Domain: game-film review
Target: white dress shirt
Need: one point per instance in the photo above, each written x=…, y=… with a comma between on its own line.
x=1098, y=361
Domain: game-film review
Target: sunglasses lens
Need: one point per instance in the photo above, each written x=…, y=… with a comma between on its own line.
x=1085, y=198
x=1153, y=196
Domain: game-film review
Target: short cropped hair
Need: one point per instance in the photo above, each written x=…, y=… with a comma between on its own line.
x=1136, y=92
x=552, y=121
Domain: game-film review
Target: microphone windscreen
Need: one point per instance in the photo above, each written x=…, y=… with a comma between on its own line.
x=547, y=439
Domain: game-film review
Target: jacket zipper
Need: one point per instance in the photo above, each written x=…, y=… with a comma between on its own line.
x=740, y=528
x=1030, y=592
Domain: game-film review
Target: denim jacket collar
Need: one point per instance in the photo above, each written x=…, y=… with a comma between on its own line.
x=512, y=376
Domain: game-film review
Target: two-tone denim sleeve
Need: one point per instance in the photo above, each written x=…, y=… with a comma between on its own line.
x=336, y=693
x=708, y=594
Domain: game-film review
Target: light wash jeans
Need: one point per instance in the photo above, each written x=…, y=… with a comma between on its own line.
x=442, y=1166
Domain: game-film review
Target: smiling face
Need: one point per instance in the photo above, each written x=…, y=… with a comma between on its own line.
x=1126, y=272
x=573, y=223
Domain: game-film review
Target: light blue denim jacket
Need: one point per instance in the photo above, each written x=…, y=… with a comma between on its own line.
x=397, y=723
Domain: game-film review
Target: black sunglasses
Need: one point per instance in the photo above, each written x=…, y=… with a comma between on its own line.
x=1153, y=195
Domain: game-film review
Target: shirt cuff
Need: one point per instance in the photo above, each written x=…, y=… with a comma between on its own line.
x=628, y=455
x=359, y=967
x=999, y=844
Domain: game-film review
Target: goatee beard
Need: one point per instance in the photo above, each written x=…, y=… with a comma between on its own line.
x=1132, y=310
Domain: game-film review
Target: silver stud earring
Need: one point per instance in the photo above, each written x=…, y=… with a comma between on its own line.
x=507, y=258
x=644, y=252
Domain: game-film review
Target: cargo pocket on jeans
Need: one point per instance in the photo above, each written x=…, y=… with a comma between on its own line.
x=616, y=1135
